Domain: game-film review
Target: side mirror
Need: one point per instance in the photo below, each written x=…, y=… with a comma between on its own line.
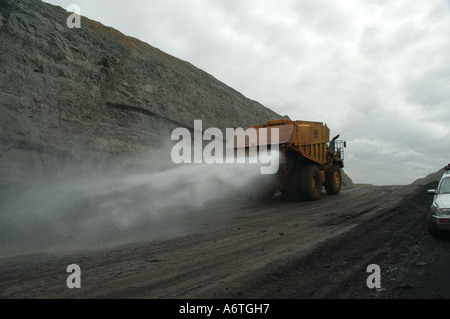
x=431, y=192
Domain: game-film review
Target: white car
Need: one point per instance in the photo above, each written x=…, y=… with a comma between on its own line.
x=438, y=219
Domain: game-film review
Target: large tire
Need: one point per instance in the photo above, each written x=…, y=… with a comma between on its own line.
x=334, y=180
x=310, y=182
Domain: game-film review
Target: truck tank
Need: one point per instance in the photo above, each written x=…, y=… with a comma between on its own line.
x=309, y=160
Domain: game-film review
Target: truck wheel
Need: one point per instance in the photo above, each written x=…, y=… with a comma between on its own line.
x=310, y=183
x=334, y=180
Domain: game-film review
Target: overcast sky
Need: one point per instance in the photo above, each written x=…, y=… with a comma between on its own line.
x=377, y=72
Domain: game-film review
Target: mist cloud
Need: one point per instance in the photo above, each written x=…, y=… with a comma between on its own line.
x=100, y=207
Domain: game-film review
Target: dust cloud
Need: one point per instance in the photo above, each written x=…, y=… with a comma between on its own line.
x=89, y=207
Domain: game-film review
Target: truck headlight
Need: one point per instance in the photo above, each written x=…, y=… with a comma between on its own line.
x=444, y=211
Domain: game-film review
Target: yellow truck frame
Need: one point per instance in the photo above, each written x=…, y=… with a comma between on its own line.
x=309, y=160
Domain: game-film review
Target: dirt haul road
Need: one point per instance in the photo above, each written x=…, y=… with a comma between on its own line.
x=278, y=249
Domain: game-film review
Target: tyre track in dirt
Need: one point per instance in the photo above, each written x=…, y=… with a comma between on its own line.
x=413, y=264
x=233, y=249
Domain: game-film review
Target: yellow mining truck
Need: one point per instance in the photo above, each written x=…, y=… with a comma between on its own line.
x=308, y=159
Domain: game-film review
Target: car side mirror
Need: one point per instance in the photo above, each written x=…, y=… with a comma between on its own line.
x=431, y=192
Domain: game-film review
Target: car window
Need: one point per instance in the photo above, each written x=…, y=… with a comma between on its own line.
x=444, y=188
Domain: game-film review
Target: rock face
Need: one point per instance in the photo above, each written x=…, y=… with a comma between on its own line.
x=431, y=178
x=90, y=92
x=346, y=180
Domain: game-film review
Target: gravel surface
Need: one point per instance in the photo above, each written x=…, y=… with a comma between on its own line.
x=276, y=250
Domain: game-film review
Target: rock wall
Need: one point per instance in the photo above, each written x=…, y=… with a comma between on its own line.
x=90, y=93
